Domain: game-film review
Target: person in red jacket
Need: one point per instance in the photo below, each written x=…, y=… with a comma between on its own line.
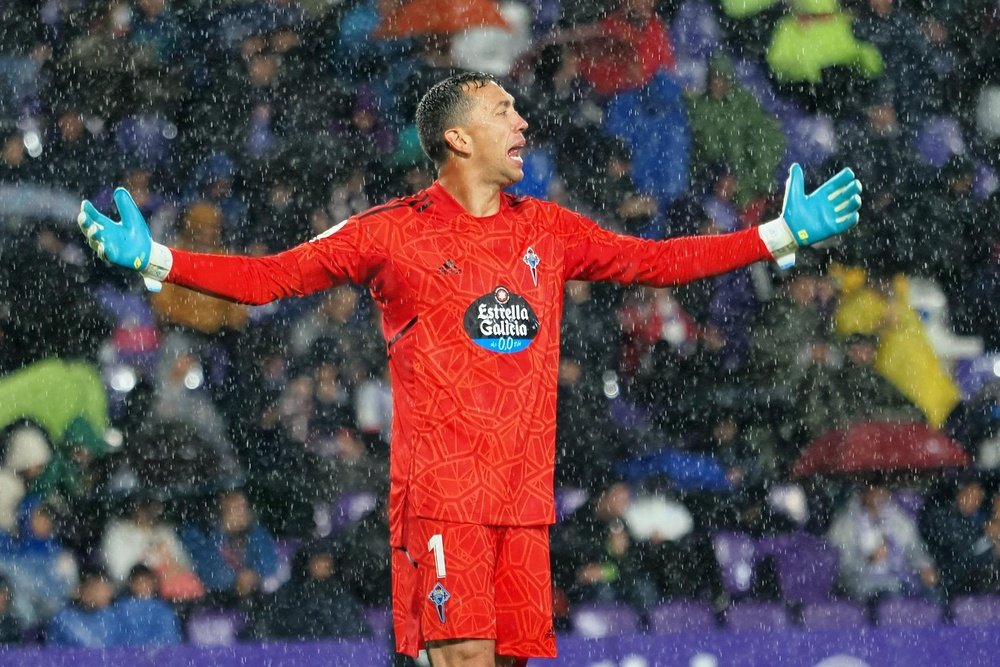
x=470, y=282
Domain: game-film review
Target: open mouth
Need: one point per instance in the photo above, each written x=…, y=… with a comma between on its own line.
x=515, y=155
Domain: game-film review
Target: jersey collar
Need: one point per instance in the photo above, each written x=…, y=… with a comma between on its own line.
x=448, y=207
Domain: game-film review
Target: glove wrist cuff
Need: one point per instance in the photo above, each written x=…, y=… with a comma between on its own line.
x=160, y=262
x=778, y=237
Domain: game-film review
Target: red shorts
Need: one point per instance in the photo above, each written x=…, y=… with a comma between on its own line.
x=460, y=580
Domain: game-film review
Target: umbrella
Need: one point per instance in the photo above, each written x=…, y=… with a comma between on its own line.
x=880, y=446
x=687, y=471
x=439, y=17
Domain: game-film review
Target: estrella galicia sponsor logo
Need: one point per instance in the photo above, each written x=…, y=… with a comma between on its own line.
x=501, y=322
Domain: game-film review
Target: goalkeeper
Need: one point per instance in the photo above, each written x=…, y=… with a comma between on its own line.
x=470, y=283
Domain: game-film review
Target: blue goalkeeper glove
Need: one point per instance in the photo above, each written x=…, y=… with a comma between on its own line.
x=127, y=243
x=807, y=219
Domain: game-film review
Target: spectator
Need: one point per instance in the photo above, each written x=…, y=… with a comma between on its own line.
x=864, y=394
x=639, y=32
x=363, y=567
x=794, y=344
x=616, y=198
x=234, y=554
x=41, y=569
x=27, y=455
x=334, y=318
x=144, y=619
x=10, y=626
x=881, y=552
x=953, y=524
x=76, y=156
x=213, y=183
x=156, y=33
x=16, y=164
x=181, y=398
x=728, y=126
x=98, y=67
x=201, y=230
x=373, y=407
x=316, y=603
x=653, y=120
x=907, y=53
x=815, y=55
x=89, y=621
x=11, y=492
x=143, y=538
x=595, y=559
x=879, y=146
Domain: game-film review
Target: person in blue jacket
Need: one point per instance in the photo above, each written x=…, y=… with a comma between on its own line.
x=145, y=619
x=89, y=621
x=234, y=554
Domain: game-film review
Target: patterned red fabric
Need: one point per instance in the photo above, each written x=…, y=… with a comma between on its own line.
x=496, y=585
x=471, y=315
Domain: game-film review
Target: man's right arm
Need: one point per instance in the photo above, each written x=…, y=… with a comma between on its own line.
x=339, y=255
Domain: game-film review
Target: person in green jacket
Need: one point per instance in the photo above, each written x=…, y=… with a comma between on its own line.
x=729, y=126
x=816, y=38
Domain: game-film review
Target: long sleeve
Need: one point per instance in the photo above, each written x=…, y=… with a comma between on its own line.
x=344, y=253
x=593, y=253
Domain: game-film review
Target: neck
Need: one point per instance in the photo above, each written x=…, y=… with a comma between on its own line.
x=480, y=199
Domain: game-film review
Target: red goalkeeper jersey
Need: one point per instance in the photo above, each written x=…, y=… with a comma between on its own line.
x=471, y=316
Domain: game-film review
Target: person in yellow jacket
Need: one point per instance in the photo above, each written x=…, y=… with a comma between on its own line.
x=905, y=357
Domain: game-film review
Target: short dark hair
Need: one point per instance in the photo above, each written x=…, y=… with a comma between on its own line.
x=441, y=107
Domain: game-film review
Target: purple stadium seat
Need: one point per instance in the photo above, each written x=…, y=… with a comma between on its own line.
x=806, y=565
x=214, y=627
x=379, y=619
x=286, y=548
x=974, y=610
x=912, y=612
x=736, y=555
x=681, y=616
x=568, y=500
x=833, y=615
x=939, y=140
x=604, y=620
x=910, y=501
x=695, y=30
x=353, y=506
x=756, y=615
x=334, y=516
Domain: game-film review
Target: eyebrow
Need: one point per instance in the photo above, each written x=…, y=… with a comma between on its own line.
x=503, y=103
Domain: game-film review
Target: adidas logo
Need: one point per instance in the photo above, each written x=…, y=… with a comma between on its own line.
x=449, y=268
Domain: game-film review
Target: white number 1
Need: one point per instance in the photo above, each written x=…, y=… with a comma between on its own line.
x=436, y=544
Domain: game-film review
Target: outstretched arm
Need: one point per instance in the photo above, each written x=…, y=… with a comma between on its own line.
x=334, y=257
x=593, y=253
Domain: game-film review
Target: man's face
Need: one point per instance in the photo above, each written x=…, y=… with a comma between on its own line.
x=234, y=513
x=495, y=134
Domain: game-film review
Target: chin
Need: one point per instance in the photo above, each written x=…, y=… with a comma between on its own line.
x=512, y=178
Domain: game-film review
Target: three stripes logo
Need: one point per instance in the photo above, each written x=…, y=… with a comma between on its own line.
x=449, y=268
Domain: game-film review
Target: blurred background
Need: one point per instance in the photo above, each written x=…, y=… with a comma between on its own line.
x=778, y=452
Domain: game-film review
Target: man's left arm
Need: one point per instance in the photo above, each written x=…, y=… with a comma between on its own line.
x=593, y=253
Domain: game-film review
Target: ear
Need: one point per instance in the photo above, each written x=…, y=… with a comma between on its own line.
x=457, y=141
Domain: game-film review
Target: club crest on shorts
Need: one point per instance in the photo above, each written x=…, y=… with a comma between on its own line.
x=439, y=595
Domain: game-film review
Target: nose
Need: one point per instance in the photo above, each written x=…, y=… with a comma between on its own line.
x=520, y=125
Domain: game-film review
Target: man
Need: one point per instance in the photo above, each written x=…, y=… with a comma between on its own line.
x=470, y=282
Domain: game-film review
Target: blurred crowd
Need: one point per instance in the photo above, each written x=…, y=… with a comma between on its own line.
x=165, y=454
